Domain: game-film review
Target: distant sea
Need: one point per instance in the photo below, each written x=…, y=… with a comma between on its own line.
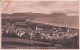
x=58, y=22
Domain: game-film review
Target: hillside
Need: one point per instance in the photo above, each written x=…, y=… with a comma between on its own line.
x=57, y=19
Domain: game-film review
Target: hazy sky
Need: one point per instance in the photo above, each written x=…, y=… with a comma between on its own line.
x=68, y=7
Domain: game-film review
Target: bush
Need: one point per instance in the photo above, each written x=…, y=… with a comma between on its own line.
x=71, y=42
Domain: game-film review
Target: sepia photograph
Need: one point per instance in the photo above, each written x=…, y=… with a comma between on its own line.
x=40, y=25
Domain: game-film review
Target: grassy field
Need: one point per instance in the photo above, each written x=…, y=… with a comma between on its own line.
x=22, y=43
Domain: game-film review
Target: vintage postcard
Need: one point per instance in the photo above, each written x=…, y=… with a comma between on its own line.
x=39, y=24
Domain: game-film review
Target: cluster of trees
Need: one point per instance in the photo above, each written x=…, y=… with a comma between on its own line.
x=69, y=43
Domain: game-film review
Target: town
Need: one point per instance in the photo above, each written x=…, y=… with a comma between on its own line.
x=29, y=30
x=39, y=32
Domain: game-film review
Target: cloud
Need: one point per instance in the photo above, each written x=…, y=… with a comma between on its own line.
x=68, y=7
